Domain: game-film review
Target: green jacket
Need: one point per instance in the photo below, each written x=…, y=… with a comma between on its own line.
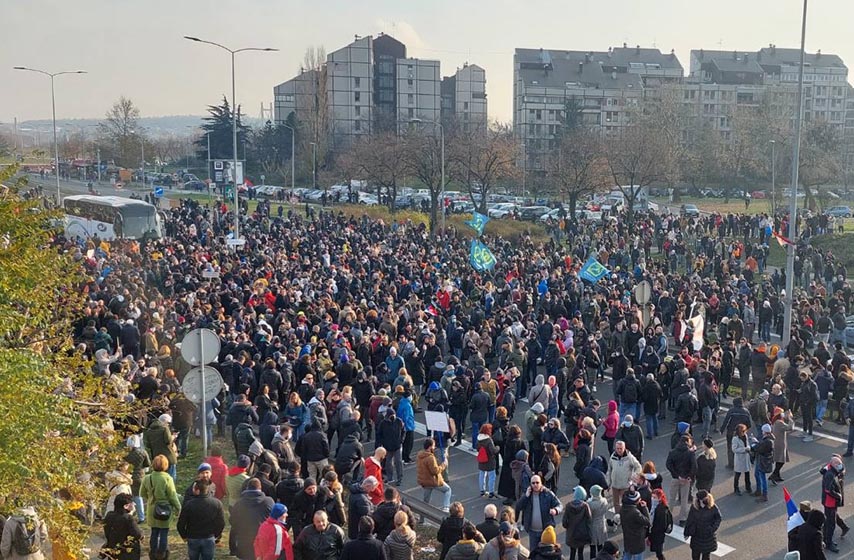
x=158, y=441
x=158, y=487
x=234, y=484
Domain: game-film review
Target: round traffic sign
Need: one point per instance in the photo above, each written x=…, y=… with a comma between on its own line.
x=192, y=384
x=643, y=293
x=195, y=342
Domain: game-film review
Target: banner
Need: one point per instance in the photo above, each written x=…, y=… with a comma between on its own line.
x=477, y=222
x=698, y=323
x=593, y=271
x=480, y=257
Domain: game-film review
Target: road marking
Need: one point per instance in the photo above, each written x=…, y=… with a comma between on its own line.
x=465, y=447
x=678, y=533
x=816, y=433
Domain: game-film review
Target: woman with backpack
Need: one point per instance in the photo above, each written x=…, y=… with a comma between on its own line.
x=487, y=461
x=576, y=521
x=662, y=522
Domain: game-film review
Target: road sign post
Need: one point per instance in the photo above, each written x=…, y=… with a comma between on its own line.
x=199, y=347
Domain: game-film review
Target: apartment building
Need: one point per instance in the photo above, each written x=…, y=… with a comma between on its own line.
x=596, y=87
x=371, y=85
x=464, y=97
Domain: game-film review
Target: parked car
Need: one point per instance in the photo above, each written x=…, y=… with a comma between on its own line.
x=194, y=186
x=690, y=210
x=368, y=199
x=532, y=212
x=838, y=211
x=759, y=195
x=502, y=210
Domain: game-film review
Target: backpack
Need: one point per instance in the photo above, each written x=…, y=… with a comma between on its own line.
x=25, y=540
x=630, y=392
x=668, y=521
x=482, y=455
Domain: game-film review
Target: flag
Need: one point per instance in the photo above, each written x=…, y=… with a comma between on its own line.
x=543, y=287
x=793, y=516
x=477, y=222
x=783, y=241
x=480, y=257
x=593, y=271
x=433, y=310
x=698, y=323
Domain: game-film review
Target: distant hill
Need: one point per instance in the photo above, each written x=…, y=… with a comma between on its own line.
x=156, y=126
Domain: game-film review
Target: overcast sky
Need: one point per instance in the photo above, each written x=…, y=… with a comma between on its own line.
x=135, y=47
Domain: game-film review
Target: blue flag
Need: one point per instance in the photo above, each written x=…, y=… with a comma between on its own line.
x=593, y=271
x=480, y=257
x=477, y=222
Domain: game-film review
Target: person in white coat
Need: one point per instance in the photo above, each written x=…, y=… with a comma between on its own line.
x=741, y=458
x=622, y=468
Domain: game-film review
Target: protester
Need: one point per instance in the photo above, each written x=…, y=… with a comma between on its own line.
x=702, y=525
x=537, y=508
x=158, y=490
x=430, y=474
x=201, y=521
x=122, y=534
x=273, y=542
x=321, y=540
x=577, y=519
x=246, y=516
x=661, y=522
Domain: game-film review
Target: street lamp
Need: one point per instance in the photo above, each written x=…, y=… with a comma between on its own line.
x=442, y=133
x=293, y=144
x=314, y=165
x=52, y=75
x=793, y=202
x=774, y=174
x=233, y=121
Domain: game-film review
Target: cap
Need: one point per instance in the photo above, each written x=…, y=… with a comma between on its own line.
x=505, y=528
x=309, y=482
x=278, y=511
x=548, y=536
x=165, y=418
x=204, y=467
x=243, y=462
x=766, y=428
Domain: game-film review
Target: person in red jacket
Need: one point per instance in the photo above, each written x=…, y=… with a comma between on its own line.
x=219, y=470
x=373, y=467
x=273, y=541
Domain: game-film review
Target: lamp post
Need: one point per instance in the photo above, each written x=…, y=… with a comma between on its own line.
x=442, y=140
x=53, y=75
x=233, y=121
x=774, y=174
x=793, y=202
x=293, y=151
x=314, y=165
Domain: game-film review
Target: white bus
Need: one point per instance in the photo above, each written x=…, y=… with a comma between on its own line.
x=110, y=217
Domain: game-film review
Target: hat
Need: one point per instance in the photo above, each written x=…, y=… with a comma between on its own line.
x=521, y=455
x=278, y=511
x=243, y=462
x=709, y=443
x=595, y=491
x=610, y=548
x=309, y=482
x=631, y=497
x=538, y=407
x=766, y=428
x=683, y=427
x=628, y=420
x=764, y=394
x=165, y=418
x=505, y=528
x=134, y=441
x=579, y=494
x=548, y=536
x=204, y=467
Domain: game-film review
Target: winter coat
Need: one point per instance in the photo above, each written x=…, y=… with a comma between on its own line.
x=464, y=550
x=140, y=463
x=201, y=517
x=809, y=540
x=634, y=519
x=485, y=441
x=765, y=454
x=622, y=469
x=123, y=537
x=312, y=545
x=612, y=421
x=246, y=517
x=598, y=526
x=681, y=462
x=546, y=552
x=429, y=471
x=512, y=549
x=406, y=415
x=548, y=501
x=633, y=437
x=522, y=474
x=583, y=455
x=702, y=526
x=479, y=407
x=595, y=474
x=741, y=454
x=363, y=547
x=400, y=545
x=158, y=441
x=539, y=393
x=358, y=505
x=660, y=526
x=780, y=429
x=349, y=454
x=576, y=520
x=506, y=483
x=384, y=518
x=273, y=539
x=158, y=487
x=313, y=446
x=705, y=473
x=449, y=533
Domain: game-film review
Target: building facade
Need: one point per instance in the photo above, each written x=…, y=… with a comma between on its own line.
x=464, y=97
x=371, y=85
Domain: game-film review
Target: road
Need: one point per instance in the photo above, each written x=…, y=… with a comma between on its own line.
x=749, y=529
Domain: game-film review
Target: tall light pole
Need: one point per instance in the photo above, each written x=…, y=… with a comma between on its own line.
x=314, y=165
x=53, y=75
x=233, y=121
x=774, y=174
x=442, y=140
x=293, y=151
x=793, y=202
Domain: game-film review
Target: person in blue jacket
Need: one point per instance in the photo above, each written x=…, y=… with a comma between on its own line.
x=407, y=415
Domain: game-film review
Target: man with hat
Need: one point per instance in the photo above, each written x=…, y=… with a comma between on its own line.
x=204, y=472
x=609, y=551
x=635, y=522
x=273, y=541
x=202, y=518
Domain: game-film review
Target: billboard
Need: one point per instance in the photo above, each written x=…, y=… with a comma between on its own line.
x=221, y=171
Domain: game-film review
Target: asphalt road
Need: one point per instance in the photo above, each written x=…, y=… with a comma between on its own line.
x=749, y=529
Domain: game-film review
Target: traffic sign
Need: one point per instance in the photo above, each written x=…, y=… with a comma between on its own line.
x=200, y=346
x=236, y=242
x=643, y=293
x=158, y=192
x=192, y=384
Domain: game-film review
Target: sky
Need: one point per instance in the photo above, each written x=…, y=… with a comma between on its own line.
x=135, y=47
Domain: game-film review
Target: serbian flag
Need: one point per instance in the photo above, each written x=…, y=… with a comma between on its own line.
x=794, y=518
x=432, y=310
x=783, y=241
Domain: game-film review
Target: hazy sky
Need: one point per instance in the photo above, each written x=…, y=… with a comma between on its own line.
x=135, y=47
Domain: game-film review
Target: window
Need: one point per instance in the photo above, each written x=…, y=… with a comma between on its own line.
x=466, y=107
x=289, y=99
x=539, y=115
x=358, y=96
x=358, y=110
x=409, y=82
x=357, y=82
x=410, y=98
x=357, y=125
x=410, y=113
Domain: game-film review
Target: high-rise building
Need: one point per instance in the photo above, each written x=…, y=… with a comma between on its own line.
x=596, y=87
x=371, y=85
x=464, y=97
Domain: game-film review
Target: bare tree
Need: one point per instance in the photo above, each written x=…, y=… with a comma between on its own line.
x=819, y=161
x=422, y=152
x=120, y=134
x=313, y=113
x=577, y=166
x=381, y=159
x=480, y=158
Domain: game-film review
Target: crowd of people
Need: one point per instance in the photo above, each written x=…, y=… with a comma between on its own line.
x=337, y=330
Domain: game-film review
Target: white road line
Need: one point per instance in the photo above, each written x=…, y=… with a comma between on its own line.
x=816, y=433
x=679, y=534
